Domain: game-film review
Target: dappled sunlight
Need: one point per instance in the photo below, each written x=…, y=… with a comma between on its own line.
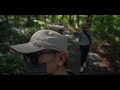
x=103, y=58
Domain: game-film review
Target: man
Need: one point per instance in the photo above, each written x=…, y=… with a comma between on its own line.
x=86, y=42
x=45, y=53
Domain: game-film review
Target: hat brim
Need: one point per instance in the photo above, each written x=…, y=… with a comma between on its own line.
x=26, y=48
x=29, y=48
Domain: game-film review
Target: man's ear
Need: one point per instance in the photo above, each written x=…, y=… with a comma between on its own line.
x=62, y=58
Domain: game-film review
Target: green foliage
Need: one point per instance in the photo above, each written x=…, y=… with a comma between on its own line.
x=4, y=47
x=16, y=29
x=11, y=64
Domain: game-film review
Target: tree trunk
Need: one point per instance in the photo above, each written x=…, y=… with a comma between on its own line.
x=6, y=18
x=53, y=18
x=77, y=21
x=28, y=18
x=36, y=16
x=16, y=20
x=90, y=19
x=7, y=28
x=70, y=20
x=61, y=18
x=29, y=21
x=44, y=18
x=87, y=18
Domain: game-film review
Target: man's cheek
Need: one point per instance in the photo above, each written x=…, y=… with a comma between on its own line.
x=51, y=67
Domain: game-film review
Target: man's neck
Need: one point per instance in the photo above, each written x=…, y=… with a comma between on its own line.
x=61, y=71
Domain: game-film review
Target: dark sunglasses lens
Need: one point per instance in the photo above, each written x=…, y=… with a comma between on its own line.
x=32, y=58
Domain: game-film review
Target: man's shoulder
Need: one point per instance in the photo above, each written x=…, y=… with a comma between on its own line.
x=90, y=31
x=81, y=31
x=70, y=72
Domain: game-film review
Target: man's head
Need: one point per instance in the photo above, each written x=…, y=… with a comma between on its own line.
x=85, y=26
x=45, y=46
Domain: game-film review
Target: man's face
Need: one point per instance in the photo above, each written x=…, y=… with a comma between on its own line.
x=51, y=61
x=85, y=27
x=50, y=58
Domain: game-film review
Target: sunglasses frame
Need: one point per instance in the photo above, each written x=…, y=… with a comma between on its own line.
x=33, y=57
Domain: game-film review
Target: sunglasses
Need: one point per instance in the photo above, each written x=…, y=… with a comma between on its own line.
x=33, y=57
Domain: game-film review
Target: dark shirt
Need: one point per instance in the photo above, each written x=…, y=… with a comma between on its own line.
x=70, y=73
